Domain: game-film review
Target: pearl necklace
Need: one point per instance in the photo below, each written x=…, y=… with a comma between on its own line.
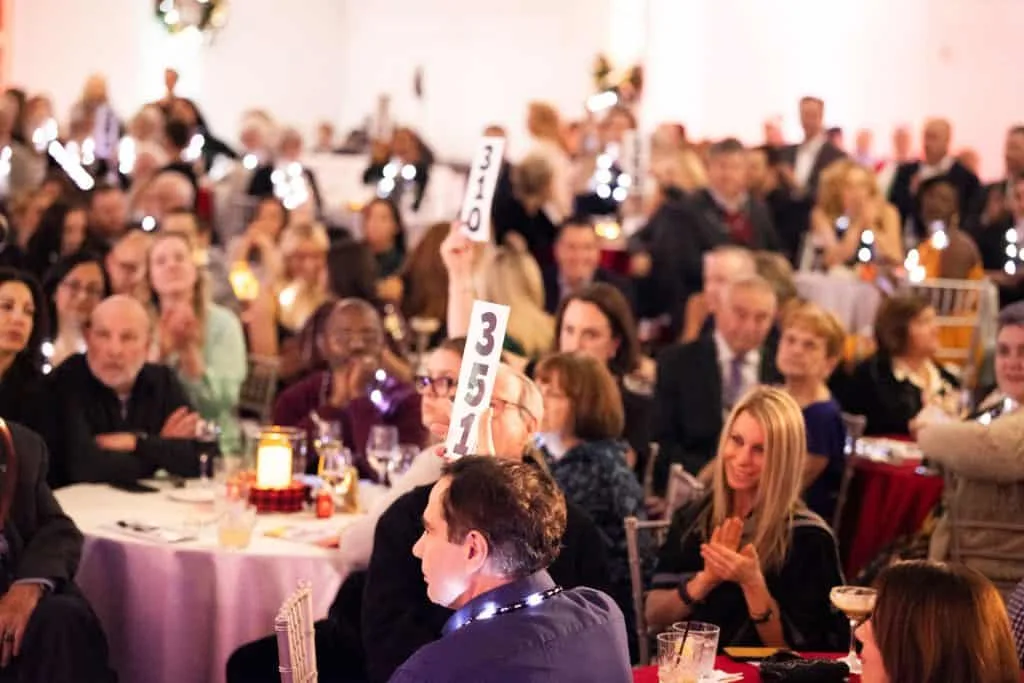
x=490, y=611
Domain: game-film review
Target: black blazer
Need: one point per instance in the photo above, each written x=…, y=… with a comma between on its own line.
x=687, y=413
x=909, y=204
x=44, y=543
x=713, y=218
x=398, y=617
x=826, y=155
x=553, y=293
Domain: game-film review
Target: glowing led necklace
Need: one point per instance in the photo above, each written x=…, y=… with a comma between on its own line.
x=490, y=610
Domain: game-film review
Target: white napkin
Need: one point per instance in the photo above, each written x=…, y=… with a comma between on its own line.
x=151, y=532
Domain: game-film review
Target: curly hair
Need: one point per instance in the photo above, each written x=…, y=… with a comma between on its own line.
x=830, y=189
x=515, y=506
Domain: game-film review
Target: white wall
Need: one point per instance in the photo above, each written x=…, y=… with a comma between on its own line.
x=721, y=66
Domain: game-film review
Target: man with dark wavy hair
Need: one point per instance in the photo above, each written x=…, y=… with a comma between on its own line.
x=490, y=530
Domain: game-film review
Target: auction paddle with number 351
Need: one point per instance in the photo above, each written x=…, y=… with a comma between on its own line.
x=487, y=325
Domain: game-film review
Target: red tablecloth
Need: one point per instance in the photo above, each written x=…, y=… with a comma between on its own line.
x=649, y=674
x=884, y=502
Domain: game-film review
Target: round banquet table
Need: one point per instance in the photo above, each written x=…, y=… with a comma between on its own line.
x=884, y=501
x=649, y=674
x=176, y=612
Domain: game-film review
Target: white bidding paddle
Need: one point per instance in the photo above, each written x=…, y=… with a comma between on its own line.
x=475, y=216
x=487, y=325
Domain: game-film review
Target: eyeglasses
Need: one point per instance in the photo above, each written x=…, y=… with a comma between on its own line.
x=76, y=288
x=499, y=405
x=440, y=386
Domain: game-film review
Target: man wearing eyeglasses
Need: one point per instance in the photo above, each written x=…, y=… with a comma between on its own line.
x=355, y=391
x=384, y=537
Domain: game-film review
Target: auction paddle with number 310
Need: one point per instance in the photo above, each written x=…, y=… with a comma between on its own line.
x=487, y=325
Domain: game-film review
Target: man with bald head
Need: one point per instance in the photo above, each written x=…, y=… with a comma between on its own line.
x=120, y=419
x=356, y=391
x=936, y=161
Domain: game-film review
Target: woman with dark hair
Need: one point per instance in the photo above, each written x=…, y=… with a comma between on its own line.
x=894, y=387
x=403, y=167
x=384, y=233
x=597, y=321
x=934, y=623
x=73, y=288
x=22, y=330
x=61, y=232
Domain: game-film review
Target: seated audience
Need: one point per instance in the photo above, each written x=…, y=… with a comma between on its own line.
x=892, y=387
x=850, y=206
x=580, y=439
x=810, y=347
x=126, y=265
x=951, y=255
x=50, y=632
x=699, y=382
x=22, y=330
x=73, y=287
x=118, y=419
x=286, y=178
x=749, y=557
x=61, y=232
x=1005, y=211
x=937, y=622
x=596, y=321
x=722, y=265
x=355, y=390
x=491, y=530
x=577, y=264
x=986, y=455
x=201, y=340
x=209, y=258
x=384, y=233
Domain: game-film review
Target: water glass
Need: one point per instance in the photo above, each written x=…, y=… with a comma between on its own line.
x=381, y=448
x=235, y=527
x=689, y=653
x=399, y=465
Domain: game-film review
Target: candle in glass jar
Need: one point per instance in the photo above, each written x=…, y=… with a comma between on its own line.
x=274, y=462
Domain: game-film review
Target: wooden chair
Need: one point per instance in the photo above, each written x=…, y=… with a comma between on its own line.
x=296, y=648
x=256, y=396
x=634, y=527
x=855, y=426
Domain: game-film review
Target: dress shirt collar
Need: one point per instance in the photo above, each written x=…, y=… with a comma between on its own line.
x=726, y=354
x=814, y=144
x=510, y=593
x=931, y=170
x=734, y=206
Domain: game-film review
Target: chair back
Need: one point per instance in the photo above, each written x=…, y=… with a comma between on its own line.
x=682, y=488
x=855, y=426
x=295, y=642
x=634, y=527
x=985, y=531
x=256, y=396
x=653, y=449
x=961, y=306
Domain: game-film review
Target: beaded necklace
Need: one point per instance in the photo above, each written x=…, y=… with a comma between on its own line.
x=490, y=611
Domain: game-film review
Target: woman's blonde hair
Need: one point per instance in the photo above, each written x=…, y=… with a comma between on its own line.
x=778, y=492
x=682, y=169
x=200, y=294
x=833, y=178
x=305, y=231
x=509, y=275
x=542, y=121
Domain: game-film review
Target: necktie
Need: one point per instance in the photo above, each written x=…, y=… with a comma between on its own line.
x=735, y=386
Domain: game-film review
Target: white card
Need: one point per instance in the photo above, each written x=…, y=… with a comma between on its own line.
x=487, y=326
x=475, y=216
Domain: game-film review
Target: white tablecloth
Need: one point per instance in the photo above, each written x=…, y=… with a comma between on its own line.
x=852, y=300
x=175, y=613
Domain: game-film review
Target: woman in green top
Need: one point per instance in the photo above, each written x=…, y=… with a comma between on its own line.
x=204, y=342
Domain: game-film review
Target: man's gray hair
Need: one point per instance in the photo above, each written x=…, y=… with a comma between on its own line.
x=750, y=282
x=1011, y=316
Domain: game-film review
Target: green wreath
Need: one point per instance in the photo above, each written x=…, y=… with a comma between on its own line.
x=205, y=15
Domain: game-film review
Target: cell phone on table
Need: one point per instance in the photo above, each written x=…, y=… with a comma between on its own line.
x=133, y=487
x=750, y=654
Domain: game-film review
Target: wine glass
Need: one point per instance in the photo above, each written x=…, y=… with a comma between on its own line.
x=381, y=448
x=207, y=437
x=328, y=442
x=400, y=464
x=856, y=602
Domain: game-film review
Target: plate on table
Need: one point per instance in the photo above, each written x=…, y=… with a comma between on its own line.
x=888, y=450
x=193, y=494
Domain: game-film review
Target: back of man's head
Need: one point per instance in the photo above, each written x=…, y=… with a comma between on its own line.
x=518, y=509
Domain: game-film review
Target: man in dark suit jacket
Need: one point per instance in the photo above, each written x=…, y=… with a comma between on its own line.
x=699, y=382
x=937, y=162
x=992, y=203
x=806, y=161
x=577, y=264
x=48, y=632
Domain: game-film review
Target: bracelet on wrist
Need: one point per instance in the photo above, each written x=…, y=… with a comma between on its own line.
x=684, y=594
x=762, y=618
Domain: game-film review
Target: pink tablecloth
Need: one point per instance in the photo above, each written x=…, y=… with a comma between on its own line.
x=649, y=674
x=884, y=502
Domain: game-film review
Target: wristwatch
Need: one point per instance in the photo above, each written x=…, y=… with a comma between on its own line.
x=762, y=618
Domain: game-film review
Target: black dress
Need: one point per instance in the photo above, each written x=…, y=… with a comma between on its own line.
x=800, y=587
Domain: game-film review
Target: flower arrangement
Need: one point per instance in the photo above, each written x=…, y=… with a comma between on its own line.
x=206, y=16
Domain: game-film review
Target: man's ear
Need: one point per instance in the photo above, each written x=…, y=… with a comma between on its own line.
x=477, y=550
